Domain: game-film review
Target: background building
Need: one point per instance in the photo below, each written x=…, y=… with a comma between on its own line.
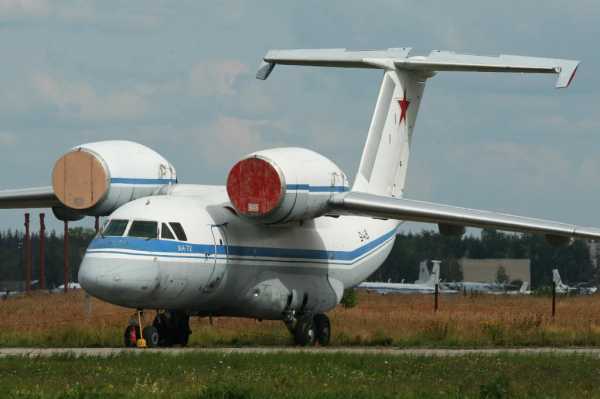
x=486, y=270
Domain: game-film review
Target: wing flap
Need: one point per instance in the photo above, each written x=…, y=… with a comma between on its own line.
x=35, y=197
x=363, y=204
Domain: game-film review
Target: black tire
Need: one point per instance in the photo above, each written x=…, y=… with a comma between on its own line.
x=161, y=323
x=132, y=334
x=322, y=329
x=304, y=333
x=183, y=329
x=151, y=336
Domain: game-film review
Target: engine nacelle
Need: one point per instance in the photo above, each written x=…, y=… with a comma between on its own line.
x=284, y=184
x=97, y=178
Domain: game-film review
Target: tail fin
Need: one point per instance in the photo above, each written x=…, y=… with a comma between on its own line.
x=523, y=288
x=434, y=278
x=382, y=169
x=423, y=273
x=384, y=160
x=556, y=278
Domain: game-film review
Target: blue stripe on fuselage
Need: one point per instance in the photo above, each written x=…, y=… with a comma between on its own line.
x=318, y=189
x=131, y=180
x=195, y=250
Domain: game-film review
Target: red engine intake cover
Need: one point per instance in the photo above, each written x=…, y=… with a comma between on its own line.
x=254, y=187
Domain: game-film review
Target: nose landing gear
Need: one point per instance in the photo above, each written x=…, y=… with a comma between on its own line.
x=168, y=328
x=310, y=329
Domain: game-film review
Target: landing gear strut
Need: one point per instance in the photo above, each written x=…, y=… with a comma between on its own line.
x=168, y=328
x=308, y=329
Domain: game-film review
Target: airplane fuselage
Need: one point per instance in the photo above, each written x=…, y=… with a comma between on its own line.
x=229, y=266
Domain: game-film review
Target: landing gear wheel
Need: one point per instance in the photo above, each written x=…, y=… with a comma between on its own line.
x=132, y=333
x=161, y=323
x=173, y=328
x=304, y=332
x=151, y=336
x=322, y=329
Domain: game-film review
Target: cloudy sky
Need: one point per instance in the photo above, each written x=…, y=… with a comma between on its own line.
x=179, y=77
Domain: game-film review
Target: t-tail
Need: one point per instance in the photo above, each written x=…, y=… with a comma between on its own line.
x=384, y=161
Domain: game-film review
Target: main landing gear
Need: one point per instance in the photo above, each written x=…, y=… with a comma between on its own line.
x=310, y=329
x=168, y=328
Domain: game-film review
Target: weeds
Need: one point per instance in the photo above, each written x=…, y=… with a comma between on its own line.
x=61, y=320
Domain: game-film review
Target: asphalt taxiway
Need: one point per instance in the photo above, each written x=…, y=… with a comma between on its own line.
x=105, y=352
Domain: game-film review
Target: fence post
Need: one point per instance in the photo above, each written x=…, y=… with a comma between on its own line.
x=553, y=299
x=435, y=295
x=27, y=248
x=42, y=252
x=66, y=255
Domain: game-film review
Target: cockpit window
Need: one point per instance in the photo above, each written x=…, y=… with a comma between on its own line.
x=178, y=229
x=165, y=232
x=115, y=227
x=143, y=229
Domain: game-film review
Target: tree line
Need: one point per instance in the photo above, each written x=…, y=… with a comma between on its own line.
x=573, y=261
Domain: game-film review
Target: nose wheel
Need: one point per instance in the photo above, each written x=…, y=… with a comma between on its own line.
x=309, y=330
x=168, y=328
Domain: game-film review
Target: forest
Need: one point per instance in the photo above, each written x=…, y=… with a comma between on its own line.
x=573, y=261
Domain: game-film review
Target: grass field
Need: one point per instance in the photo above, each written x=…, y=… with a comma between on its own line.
x=63, y=320
x=211, y=375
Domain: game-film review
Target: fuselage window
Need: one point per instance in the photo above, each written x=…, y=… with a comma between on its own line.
x=143, y=229
x=115, y=227
x=165, y=232
x=178, y=229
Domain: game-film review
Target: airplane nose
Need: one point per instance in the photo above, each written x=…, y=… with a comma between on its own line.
x=126, y=282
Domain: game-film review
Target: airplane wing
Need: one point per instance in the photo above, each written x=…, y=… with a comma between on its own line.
x=36, y=197
x=363, y=204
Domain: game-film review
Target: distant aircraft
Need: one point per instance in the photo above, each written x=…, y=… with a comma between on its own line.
x=562, y=288
x=287, y=233
x=472, y=287
x=71, y=286
x=426, y=287
x=521, y=291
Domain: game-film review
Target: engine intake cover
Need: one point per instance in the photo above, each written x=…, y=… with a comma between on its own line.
x=284, y=184
x=97, y=178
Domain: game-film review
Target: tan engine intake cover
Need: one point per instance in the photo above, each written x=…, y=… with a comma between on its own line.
x=79, y=180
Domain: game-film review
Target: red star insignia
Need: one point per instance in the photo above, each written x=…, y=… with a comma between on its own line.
x=404, y=103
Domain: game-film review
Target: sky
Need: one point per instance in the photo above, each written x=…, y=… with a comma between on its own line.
x=179, y=78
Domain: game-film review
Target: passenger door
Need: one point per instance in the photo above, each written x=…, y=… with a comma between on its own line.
x=219, y=256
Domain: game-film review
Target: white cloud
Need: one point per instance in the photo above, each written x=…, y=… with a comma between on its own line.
x=20, y=8
x=80, y=99
x=229, y=138
x=7, y=139
x=215, y=78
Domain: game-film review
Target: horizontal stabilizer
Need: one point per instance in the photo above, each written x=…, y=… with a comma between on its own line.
x=362, y=204
x=37, y=197
x=397, y=58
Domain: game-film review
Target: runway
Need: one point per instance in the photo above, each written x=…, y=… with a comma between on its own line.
x=106, y=352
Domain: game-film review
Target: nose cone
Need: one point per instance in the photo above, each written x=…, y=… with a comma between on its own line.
x=125, y=280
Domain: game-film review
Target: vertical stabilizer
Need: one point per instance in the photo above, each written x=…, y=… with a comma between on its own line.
x=423, y=273
x=523, y=288
x=556, y=278
x=384, y=160
x=434, y=278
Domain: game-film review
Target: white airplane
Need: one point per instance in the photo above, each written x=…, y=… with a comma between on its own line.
x=287, y=233
x=70, y=285
x=427, y=287
x=562, y=288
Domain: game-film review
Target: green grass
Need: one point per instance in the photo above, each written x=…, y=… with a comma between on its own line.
x=305, y=375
